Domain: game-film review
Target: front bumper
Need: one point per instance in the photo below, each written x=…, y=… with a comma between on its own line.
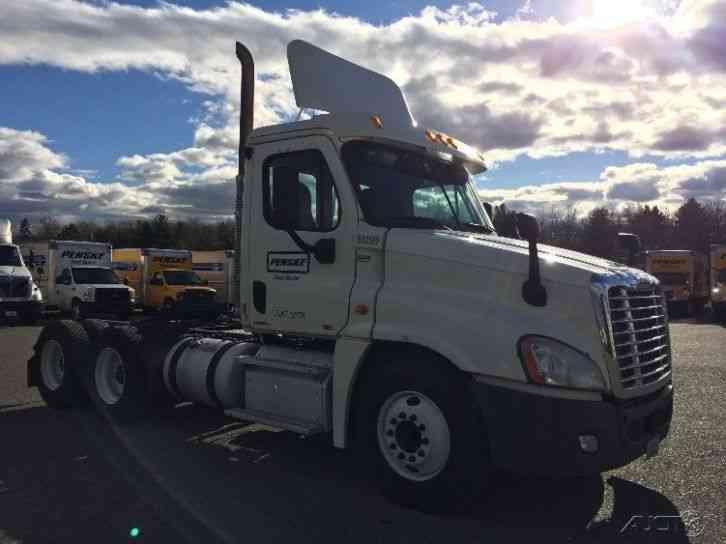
x=23, y=307
x=540, y=435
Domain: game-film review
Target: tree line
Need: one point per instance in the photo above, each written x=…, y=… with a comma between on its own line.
x=693, y=226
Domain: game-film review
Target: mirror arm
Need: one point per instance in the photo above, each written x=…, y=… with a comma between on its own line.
x=320, y=256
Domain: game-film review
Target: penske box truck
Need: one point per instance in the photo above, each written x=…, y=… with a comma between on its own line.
x=76, y=277
x=164, y=279
x=19, y=295
x=683, y=275
x=381, y=309
x=217, y=268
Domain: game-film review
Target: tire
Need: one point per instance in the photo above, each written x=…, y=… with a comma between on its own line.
x=62, y=349
x=415, y=407
x=119, y=388
x=76, y=313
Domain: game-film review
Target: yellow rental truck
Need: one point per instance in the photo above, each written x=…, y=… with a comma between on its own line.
x=718, y=280
x=217, y=267
x=164, y=279
x=682, y=274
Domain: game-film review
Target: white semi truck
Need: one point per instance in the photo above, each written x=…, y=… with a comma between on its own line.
x=380, y=306
x=76, y=278
x=19, y=295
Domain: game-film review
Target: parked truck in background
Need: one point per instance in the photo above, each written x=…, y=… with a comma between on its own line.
x=76, y=277
x=683, y=276
x=217, y=268
x=717, y=268
x=163, y=278
x=379, y=305
x=19, y=295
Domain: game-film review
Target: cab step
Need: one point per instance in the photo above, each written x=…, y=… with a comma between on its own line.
x=300, y=427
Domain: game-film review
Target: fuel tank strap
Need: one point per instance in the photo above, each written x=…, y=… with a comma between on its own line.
x=212, y=369
x=174, y=362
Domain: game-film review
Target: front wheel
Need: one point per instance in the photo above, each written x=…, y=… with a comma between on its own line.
x=421, y=432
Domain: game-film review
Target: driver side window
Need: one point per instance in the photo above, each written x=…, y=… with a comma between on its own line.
x=298, y=192
x=64, y=278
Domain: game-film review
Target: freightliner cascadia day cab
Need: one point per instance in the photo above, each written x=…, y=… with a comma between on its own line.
x=76, y=277
x=381, y=306
x=683, y=276
x=217, y=268
x=19, y=295
x=163, y=278
x=717, y=266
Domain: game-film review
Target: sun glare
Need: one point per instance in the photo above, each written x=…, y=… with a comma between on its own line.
x=607, y=14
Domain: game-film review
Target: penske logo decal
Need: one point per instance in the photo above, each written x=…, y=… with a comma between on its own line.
x=169, y=260
x=85, y=255
x=289, y=262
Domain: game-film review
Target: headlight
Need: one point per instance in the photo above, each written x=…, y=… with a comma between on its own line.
x=716, y=290
x=36, y=294
x=549, y=362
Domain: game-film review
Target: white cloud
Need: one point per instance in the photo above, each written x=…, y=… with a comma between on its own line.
x=649, y=88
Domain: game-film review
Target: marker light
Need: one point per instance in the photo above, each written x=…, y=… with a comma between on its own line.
x=377, y=121
x=134, y=532
x=431, y=135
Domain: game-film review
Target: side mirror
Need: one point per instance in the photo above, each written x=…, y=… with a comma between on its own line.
x=528, y=226
x=631, y=243
x=324, y=250
x=205, y=281
x=533, y=292
x=489, y=209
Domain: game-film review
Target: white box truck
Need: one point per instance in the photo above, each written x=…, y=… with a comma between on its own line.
x=19, y=295
x=76, y=277
x=217, y=268
x=381, y=307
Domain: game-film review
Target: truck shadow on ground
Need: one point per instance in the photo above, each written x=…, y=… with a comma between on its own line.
x=587, y=508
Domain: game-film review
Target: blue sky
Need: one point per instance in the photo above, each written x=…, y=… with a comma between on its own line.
x=130, y=104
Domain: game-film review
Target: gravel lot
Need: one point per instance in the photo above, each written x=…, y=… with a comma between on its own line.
x=193, y=473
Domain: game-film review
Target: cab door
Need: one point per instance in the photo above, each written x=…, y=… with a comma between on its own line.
x=302, y=223
x=64, y=289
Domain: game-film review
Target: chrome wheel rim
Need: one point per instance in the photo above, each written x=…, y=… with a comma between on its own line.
x=52, y=365
x=110, y=376
x=413, y=435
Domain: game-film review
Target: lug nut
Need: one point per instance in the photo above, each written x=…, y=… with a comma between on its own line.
x=412, y=417
x=389, y=432
x=424, y=441
x=411, y=459
x=393, y=421
x=401, y=456
x=421, y=453
x=402, y=415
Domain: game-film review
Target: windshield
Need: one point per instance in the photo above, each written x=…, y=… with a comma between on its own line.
x=672, y=278
x=402, y=188
x=9, y=256
x=182, y=277
x=94, y=275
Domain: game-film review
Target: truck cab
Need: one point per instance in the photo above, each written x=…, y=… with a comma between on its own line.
x=19, y=295
x=90, y=289
x=167, y=287
x=381, y=306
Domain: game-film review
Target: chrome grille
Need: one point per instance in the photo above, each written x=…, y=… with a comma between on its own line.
x=13, y=287
x=640, y=343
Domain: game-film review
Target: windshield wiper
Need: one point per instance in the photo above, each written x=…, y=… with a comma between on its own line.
x=416, y=222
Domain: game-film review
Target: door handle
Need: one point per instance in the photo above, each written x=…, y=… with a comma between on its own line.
x=259, y=296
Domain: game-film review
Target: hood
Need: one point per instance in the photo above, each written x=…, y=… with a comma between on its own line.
x=502, y=254
x=103, y=286
x=15, y=271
